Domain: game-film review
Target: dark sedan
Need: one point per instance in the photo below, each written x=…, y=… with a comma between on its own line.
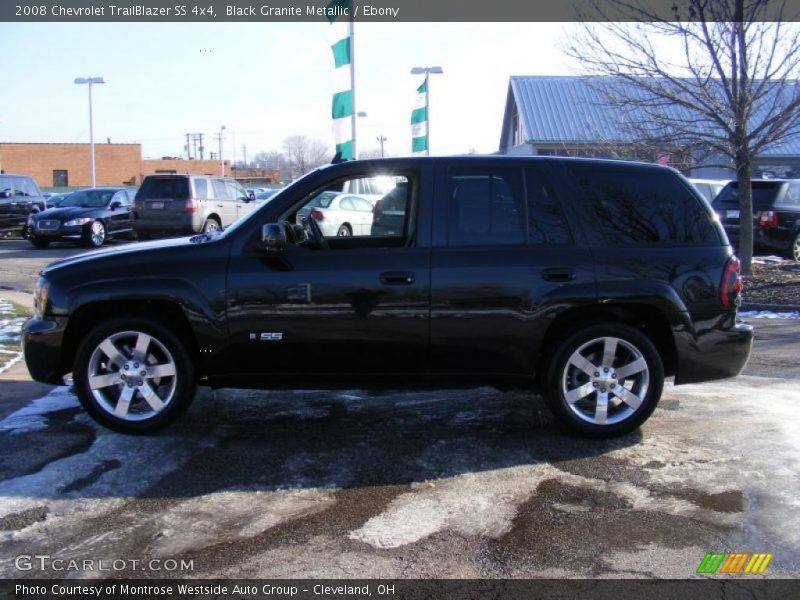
x=89, y=217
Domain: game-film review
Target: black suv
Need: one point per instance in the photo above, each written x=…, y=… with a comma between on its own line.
x=591, y=280
x=776, y=214
x=20, y=197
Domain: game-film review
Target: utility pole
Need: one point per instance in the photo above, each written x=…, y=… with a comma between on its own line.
x=381, y=139
x=244, y=151
x=221, y=136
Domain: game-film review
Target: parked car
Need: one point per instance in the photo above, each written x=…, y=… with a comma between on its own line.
x=338, y=214
x=709, y=187
x=776, y=214
x=53, y=200
x=186, y=204
x=19, y=197
x=589, y=280
x=266, y=195
x=88, y=217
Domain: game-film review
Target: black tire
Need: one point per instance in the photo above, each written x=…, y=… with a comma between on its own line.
x=344, y=231
x=142, y=236
x=622, y=416
x=39, y=242
x=211, y=224
x=95, y=234
x=163, y=348
x=794, y=251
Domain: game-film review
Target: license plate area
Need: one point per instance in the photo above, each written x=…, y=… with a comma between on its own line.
x=157, y=205
x=732, y=214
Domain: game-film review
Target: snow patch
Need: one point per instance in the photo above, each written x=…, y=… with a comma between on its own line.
x=768, y=314
x=32, y=417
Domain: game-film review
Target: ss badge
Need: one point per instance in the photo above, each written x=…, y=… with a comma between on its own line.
x=267, y=336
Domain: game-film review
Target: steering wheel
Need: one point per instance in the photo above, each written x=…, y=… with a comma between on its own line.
x=316, y=232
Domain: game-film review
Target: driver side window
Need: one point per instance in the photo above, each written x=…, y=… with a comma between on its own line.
x=380, y=215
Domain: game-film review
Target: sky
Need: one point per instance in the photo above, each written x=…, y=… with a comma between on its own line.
x=263, y=81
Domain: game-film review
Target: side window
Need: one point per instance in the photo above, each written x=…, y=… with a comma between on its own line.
x=484, y=208
x=236, y=191
x=121, y=197
x=793, y=194
x=348, y=221
x=634, y=207
x=546, y=223
x=220, y=189
x=361, y=205
x=201, y=188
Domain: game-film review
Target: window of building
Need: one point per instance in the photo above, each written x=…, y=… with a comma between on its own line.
x=60, y=178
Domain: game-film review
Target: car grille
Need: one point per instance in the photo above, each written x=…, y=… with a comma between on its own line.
x=47, y=224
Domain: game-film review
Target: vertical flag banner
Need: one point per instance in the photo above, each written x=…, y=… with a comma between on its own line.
x=340, y=38
x=419, y=121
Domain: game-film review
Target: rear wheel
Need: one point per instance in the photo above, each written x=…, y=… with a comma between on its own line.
x=795, y=251
x=211, y=224
x=133, y=375
x=344, y=231
x=604, y=380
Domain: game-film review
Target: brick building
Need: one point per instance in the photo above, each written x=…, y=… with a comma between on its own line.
x=67, y=165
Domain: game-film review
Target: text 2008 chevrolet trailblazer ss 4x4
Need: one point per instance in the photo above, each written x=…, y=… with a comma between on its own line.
x=589, y=280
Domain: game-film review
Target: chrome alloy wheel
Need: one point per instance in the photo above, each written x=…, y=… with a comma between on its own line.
x=605, y=381
x=132, y=375
x=796, y=248
x=97, y=234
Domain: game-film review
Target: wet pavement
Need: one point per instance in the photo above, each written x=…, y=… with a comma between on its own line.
x=473, y=483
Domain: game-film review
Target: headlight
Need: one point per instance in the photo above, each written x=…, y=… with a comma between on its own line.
x=77, y=222
x=40, y=292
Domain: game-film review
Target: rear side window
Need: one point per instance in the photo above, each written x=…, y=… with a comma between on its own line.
x=484, y=208
x=764, y=195
x=164, y=187
x=546, y=223
x=634, y=207
x=201, y=188
x=792, y=197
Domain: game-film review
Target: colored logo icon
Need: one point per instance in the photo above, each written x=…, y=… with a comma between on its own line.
x=734, y=563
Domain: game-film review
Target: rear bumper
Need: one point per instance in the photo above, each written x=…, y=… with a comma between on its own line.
x=715, y=349
x=41, y=346
x=185, y=225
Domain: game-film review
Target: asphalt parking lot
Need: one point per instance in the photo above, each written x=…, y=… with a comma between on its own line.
x=450, y=484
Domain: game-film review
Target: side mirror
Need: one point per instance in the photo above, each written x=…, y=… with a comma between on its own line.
x=273, y=237
x=115, y=205
x=251, y=196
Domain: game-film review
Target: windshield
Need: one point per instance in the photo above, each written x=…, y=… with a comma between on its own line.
x=88, y=198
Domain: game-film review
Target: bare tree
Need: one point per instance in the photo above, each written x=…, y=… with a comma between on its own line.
x=733, y=89
x=303, y=154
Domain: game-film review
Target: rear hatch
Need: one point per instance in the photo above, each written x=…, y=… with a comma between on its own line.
x=163, y=198
x=726, y=204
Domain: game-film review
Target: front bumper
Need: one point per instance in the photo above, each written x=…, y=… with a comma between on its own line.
x=42, y=339
x=716, y=349
x=73, y=233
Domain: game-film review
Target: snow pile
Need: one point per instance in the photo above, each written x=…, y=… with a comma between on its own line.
x=763, y=260
x=10, y=332
x=768, y=314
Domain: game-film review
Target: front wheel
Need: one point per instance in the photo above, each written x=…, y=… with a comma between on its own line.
x=604, y=380
x=96, y=235
x=133, y=375
x=795, y=251
x=38, y=242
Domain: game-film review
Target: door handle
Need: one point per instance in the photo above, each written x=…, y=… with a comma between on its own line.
x=558, y=274
x=220, y=205
x=397, y=278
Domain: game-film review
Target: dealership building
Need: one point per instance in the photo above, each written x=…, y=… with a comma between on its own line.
x=566, y=116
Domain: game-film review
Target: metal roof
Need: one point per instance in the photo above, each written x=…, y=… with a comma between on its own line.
x=571, y=110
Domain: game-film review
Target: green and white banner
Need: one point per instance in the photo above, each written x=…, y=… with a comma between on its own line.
x=419, y=121
x=340, y=38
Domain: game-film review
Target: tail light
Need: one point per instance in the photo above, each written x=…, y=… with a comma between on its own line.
x=731, y=286
x=768, y=218
x=191, y=206
x=317, y=215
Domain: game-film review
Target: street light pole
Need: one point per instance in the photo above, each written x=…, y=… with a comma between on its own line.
x=90, y=81
x=428, y=71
